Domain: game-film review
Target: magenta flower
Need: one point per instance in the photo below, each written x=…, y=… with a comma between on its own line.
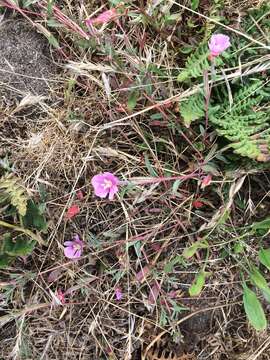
x=74, y=248
x=118, y=294
x=61, y=296
x=105, y=184
x=218, y=43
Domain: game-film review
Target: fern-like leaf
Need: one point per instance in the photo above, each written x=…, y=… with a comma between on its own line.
x=192, y=109
x=11, y=189
x=197, y=63
x=243, y=125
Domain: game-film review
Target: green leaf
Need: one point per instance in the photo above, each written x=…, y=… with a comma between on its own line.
x=195, y=4
x=186, y=49
x=258, y=278
x=34, y=217
x=11, y=188
x=198, y=284
x=259, y=281
x=170, y=265
x=262, y=225
x=19, y=246
x=266, y=295
x=115, y=2
x=54, y=23
x=27, y=3
x=50, y=4
x=190, y=251
x=254, y=310
x=132, y=100
x=149, y=166
x=175, y=186
x=238, y=248
x=137, y=248
x=53, y=41
x=192, y=109
x=264, y=257
x=4, y=260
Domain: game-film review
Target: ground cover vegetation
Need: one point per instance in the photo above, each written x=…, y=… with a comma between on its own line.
x=134, y=179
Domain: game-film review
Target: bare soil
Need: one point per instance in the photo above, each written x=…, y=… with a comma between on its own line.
x=26, y=65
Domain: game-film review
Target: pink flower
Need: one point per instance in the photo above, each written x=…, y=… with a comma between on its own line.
x=218, y=43
x=74, y=248
x=206, y=181
x=103, y=18
x=105, y=184
x=72, y=211
x=61, y=296
x=118, y=294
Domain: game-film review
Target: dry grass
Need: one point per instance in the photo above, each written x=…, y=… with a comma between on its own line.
x=85, y=127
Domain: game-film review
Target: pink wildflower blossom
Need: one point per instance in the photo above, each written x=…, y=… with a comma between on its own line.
x=206, y=181
x=218, y=43
x=103, y=18
x=61, y=296
x=74, y=248
x=105, y=184
x=118, y=294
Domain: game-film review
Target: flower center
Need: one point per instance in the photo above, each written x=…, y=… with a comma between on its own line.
x=77, y=247
x=107, y=184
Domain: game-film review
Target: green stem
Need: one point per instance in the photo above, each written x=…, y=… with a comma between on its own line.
x=24, y=231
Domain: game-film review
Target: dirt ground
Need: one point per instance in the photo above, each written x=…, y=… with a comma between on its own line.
x=26, y=65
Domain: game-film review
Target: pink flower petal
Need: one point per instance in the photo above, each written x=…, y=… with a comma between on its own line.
x=61, y=296
x=105, y=184
x=77, y=239
x=113, y=191
x=111, y=177
x=118, y=294
x=97, y=180
x=68, y=243
x=77, y=254
x=206, y=181
x=70, y=252
x=101, y=192
x=218, y=43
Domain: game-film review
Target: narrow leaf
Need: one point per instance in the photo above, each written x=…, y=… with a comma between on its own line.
x=258, y=278
x=259, y=281
x=149, y=166
x=264, y=257
x=132, y=100
x=170, y=265
x=190, y=251
x=262, y=225
x=197, y=284
x=254, y=310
